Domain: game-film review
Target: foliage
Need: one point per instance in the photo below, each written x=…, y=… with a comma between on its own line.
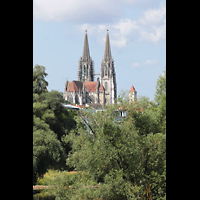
x=51, y=121
x=114, y=160
x=160, y=99
x=124, y=163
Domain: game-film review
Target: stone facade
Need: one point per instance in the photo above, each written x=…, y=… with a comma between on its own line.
x=108, y=75
x=86, y=90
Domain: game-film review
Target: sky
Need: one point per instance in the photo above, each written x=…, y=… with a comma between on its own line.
x=137, y=32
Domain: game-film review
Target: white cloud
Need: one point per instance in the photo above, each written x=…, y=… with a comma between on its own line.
x=153, y=25
x=146, y=63
x=87, y=11
x=75, y=10
x=120, y=31
x=154, y=34
x=97, y=16
x=153, y=16
x=125, y=26
x=148, y=29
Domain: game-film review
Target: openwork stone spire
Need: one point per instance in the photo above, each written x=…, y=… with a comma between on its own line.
x=108, y=75
x=86, y=52
x=107, y=52
x=85, y=67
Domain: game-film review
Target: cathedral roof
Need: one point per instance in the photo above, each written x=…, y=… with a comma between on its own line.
x=75, y=86
x=91, y=86
x=132, y=89
x=101, y=87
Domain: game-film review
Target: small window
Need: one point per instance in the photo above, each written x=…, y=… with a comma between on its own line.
x=106, y=70
x=106, y=86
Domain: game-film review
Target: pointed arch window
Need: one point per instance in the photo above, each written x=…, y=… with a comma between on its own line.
x=106, y=86
x=106, y=73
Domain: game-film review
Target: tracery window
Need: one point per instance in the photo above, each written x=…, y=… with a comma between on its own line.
x=106, y=86
x=106, y=71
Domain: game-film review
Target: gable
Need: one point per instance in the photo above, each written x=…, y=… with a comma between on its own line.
x=91, y=86
x=75, y=86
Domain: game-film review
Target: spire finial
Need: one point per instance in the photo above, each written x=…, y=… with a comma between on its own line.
x=86, y=31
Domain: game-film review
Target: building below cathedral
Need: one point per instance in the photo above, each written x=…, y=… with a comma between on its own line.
x=87, y=91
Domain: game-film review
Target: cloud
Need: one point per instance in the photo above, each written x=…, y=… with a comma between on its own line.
x=97, y=16
x=84, y=11
x=153, y=16
x=154, y=33
x=149, y=27
x=146, y=63
x=120, y=31
x=153, y=25
x=75, y=10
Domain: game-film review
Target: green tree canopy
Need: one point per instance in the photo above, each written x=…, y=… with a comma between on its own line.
x=126, y=159
x=115, y=160
x=51, y=121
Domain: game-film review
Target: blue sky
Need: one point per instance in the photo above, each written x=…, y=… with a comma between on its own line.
x=137, y=31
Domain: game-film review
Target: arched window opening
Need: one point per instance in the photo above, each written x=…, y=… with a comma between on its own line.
x=106, y=71
x=106, y=86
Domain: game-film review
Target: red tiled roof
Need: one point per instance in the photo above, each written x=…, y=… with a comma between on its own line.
x=132, y=89
x=74, y=86
x=91, y=86
x=101, y=87
x=81, y=106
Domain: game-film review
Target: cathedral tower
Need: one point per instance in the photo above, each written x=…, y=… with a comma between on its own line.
x=85, y=68
x=108, y=75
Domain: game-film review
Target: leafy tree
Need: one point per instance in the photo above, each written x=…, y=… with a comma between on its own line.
x=160, y=99
x=39, y=82
x=144, y=115
x=124, y=163
x=116, y=160
x=51, y=121
x=46, y=149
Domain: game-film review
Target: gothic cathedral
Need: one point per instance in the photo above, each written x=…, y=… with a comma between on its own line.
x=86, y=90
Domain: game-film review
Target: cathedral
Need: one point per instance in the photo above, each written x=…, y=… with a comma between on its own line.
x=87, y=91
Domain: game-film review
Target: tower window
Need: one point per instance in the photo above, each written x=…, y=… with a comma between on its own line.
x=106, y=70
x=106, y=86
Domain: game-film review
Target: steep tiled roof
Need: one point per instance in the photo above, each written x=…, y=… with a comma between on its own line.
x=75, y=86
x=91, y=86
x=132, y=89
x=101, y=87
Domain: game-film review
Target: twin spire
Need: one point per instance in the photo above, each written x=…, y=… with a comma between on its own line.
x=86, y=66
x=86, y=52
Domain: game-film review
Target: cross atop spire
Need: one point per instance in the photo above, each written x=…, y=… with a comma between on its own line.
x=86, y=52
x=107, y=52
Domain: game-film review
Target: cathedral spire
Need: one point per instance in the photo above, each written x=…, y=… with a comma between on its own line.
x=85, y=67
x=86, y=52
x=107, y=52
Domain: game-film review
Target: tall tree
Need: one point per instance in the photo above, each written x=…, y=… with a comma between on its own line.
x=51, y=121
x=160, y=99
x=39, y=82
